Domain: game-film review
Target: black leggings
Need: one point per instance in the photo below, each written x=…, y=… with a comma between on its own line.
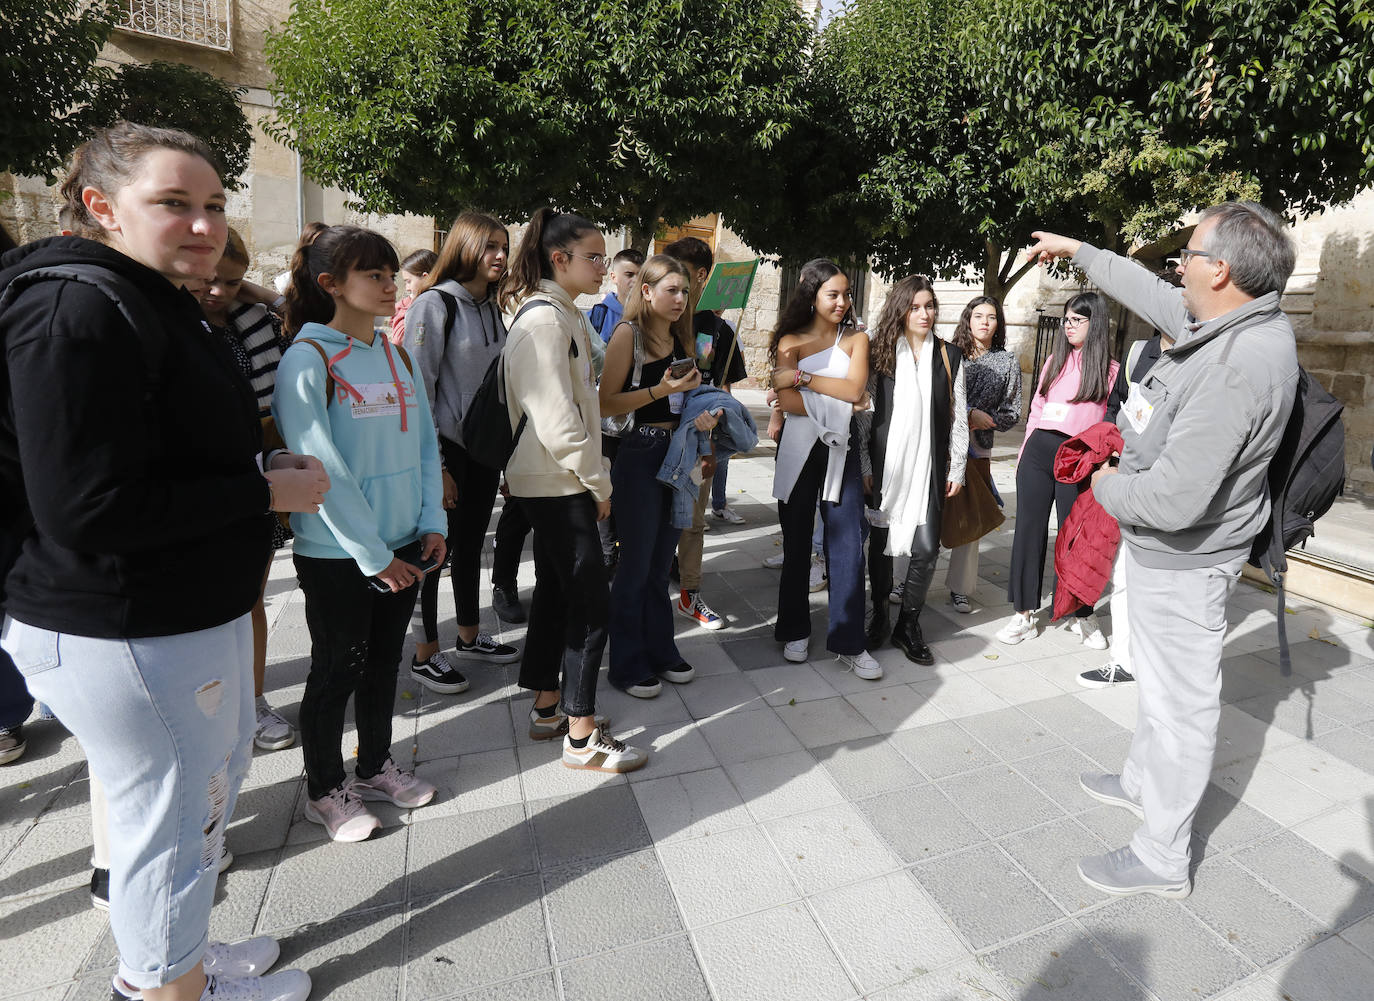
x=925, y=550
x=1036, y=490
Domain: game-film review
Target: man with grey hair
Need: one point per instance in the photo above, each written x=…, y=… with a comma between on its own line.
x=1190, y=495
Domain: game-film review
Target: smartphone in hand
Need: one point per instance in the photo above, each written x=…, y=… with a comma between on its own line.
x=382, y=587
x=681, y=367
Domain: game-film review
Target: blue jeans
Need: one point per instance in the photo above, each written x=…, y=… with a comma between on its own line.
x=844, y=556
x=15, y=701
x=641, y=613
x=167, y=725
x=718, y=483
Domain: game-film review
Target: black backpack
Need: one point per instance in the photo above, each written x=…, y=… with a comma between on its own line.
x=1306, y=476
x=16, y=520
x=486, y=431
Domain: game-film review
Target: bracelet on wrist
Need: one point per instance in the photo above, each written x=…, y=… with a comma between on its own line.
x=651, y=393
x=796, y=378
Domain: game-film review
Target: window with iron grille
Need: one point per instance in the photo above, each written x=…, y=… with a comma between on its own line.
x=195, y=22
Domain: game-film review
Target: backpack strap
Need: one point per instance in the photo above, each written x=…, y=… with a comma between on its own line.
x=450, y=314
x=328, y=376
x=1132, y=359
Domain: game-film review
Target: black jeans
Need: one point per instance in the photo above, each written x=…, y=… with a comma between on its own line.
x=844, y=555
x=610, y=448
x=356, y=635
x=925, y=550
x=511, y=529
x=15, y=701
x=467, y=532
x=1036, y=490
x=567, y=628
x=641, y=611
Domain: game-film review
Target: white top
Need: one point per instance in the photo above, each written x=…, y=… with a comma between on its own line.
x=826, y=420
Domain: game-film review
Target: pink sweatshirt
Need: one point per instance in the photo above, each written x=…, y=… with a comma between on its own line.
x=1054, y=412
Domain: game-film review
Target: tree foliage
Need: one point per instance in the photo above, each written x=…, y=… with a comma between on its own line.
x=1172, y=104
x=49, y=74
x=176, y=96
x=626, y=110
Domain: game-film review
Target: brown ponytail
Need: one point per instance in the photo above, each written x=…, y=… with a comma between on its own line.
x=533, y=261
x=332, y=250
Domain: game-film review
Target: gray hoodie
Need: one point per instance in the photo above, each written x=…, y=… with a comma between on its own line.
x=452, y=362
x=1192, y=488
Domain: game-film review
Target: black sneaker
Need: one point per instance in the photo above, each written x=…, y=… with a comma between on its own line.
x=1105, y=676
x=484, y=647
x=679, y=675
x=12, y=743
x=438, y=675
x=100, y=889
x=505, y=602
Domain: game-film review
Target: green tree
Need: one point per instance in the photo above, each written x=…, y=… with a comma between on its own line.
x=629, y=111
x=176, y=96
x=1139, y=110
x=49, y=74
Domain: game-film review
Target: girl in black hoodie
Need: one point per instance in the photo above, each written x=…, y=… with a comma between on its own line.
x=136, y=499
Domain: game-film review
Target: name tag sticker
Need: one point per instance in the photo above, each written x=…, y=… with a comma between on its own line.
x=379, y=400
x=1055, y=411
x=1138, y=410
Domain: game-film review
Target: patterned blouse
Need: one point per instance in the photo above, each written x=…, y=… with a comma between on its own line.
x=992, y=384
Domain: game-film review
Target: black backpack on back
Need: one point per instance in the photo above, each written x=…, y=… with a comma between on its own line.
x=1306, y=476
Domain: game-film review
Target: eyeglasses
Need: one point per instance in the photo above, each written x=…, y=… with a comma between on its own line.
x=601, y=260
x=1186, y=253
x=1075, y=321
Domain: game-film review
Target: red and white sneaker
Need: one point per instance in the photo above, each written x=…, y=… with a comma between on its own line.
x=691, y=605
x=392, y=785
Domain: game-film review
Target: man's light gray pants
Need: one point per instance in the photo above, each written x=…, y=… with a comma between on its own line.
x=1177, y=626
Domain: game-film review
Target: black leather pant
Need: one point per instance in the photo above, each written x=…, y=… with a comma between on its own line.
x=925, y=550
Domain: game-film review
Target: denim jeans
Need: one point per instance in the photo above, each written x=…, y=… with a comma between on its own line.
x=567, y=629
x=167, y=726
x=844, y=556
x=15, y=701
x=356, y=635
x=718, y=483
x=641, y=612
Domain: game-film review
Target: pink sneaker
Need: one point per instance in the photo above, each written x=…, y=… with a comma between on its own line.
x=343, y=815
x=391, y=785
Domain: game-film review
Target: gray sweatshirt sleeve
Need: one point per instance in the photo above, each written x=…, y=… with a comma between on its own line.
x=425, y=339
x=1152, y=299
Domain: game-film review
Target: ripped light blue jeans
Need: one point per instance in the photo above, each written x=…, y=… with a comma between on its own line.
x=167, y=726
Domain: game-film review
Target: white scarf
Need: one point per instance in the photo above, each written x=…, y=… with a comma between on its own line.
x=906, y=463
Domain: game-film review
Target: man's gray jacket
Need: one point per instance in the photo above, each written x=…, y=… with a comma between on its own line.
x=1192, y=489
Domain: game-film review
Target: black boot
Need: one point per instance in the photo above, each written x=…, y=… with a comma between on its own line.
x=906, y=637
x=879, y=628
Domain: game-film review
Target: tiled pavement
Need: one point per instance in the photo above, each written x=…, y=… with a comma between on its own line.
x=798, y=834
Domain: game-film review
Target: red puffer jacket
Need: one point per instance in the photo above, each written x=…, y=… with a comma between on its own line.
x=1086, y=547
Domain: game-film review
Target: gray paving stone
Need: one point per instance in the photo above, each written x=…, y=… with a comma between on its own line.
x=999, y=801
x=1056, y=774
x=1335, y=701
x=1331, y=891
x=1256, y=989
x=1112, y=824
x=1051, y=854
x=1349, y=745
x=1195, y=964
x=544, y=776
x=830, y=847
x=896, y=707
x=919, y=823
x=866, y=767
x=239, y=897
x=1110, y=751
x=746, y=736
x=942, y=749
x=311, y=885
x=825, y=721
x=471, y=783
x=704, y=654
x=726, y=875
x=270, y=767
x=449, y=853
x=50, y=859
x=1011, y=734
x=1332, y=970
x=1315, y=659
x=887, y=931
x=693, y=805
x=743, y=962
x=1225, y=822
x=539, y=987
x=31, y=785
x=789, y=683
x=463, y=729
x=599, y=822
x=355, y=957
x=783, y=784
x=753, y=652
x=721, y=693
x=1263, y=926
x=1361, y=936
x=47, y=937
x=478, y=936
x=72, y=804
x=626, y=710
x=1063, y=963
x=262, y=817
x=666, y=970
x=985, y=896
x=631, y=887
x=971, y=981
x=1291, y=713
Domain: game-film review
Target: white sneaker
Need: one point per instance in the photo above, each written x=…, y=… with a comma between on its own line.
x=1019, y=627
x=774, y=562
x=728, y=514
x=797, y=651
x=392, y=785
x=817, y=582
x=288, y=985
x=894, y=596
x=863, y=665
x=1089, y=632
x=603, y=753
x=271, y=732
x=250, y=958
x=342, y=814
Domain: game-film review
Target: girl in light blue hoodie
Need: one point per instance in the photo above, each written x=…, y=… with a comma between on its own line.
x=348, y=396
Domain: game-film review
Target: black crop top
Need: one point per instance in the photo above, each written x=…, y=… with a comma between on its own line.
x=651, y=374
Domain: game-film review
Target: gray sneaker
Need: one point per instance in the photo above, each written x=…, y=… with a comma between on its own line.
x=1107, y=789
x=1121, y=874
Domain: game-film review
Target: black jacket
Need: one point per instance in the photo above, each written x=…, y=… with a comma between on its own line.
x=881, y=388
x=148, y=509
